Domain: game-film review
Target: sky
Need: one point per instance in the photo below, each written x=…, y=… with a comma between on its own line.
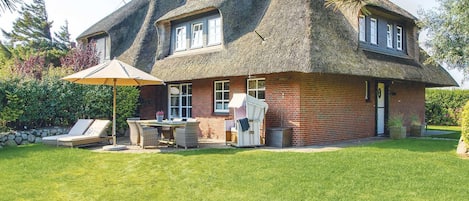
x=81, y=14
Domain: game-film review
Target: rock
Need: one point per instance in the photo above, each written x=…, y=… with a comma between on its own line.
x=38, y=140
x=462, y=148
x=18, y=140
x=45, y=133
x=11, y=137
x=24, y=136
x=11, y=143
x=34, y=132
x=31, y=138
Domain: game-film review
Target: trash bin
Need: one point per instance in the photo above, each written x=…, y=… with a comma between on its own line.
x=279, y=137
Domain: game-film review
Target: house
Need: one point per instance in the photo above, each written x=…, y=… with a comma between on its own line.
x=329, y=74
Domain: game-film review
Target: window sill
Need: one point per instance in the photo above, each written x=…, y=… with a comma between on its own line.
x=221, y=113
x=206, y=50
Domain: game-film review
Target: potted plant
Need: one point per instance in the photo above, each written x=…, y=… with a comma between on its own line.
x=416, y=127
x=159, y=116
x=396, y=127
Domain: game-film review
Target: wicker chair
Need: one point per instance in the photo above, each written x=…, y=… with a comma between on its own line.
x=134, y=132
x=148, y=136
x=188, y=136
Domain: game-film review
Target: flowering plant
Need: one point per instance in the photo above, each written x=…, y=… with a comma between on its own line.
x=160, y=113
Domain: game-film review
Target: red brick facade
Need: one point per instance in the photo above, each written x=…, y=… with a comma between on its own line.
x=321, y=108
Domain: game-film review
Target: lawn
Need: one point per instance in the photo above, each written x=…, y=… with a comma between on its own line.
x=456, y=131
x=409, y=169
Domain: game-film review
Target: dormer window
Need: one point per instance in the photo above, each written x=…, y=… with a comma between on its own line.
x=382, y=35
x=103, y=48
x=196, y=32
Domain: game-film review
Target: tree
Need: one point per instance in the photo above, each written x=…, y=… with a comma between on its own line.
x=448, y=32
x=62, y=38
x=9, y=5
x=81, y=57
x=33, y=27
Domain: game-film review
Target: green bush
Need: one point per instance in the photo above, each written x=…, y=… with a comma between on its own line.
x=30, y=103
x=444, y=107
x=465, y=124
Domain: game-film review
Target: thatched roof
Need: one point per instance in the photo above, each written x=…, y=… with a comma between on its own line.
x=270, y=36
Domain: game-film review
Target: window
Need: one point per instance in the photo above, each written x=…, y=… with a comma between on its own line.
x=102, y=49
x=214, y=31
x=202, y=32
x=222, y=96
x=398, y=38
x=362, y=27
x=389, y=35
x=197, y=36
x=373, y=31
x=256, y=88
x=180, y=99
x=181, y=38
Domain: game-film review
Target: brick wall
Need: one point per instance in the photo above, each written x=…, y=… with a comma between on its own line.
x=321, y=108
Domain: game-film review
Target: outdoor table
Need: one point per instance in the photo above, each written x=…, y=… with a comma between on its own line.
x=165, y=123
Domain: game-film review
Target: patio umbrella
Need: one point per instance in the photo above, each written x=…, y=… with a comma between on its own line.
x=113, y=73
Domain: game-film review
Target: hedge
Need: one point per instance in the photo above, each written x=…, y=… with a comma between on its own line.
x=444, y=107
x=30, y=103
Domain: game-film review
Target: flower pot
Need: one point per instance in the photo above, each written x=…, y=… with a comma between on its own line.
x=416, y=130
x=159, y=118
x=397, y=132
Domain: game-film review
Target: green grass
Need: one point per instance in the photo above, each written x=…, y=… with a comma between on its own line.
x=456, y=131
x=410, y=169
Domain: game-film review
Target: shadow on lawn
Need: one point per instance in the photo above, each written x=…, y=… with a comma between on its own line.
x=25, y=151
x=418, y=145
x=216, y=151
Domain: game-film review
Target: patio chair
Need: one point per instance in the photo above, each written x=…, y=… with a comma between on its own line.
x=96, y=133
x=134, y=133
x=148, y=136
x=78, y=129
x=188, y=136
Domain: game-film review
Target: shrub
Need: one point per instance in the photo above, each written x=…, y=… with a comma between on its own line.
x=443, y=107
x=465, y=124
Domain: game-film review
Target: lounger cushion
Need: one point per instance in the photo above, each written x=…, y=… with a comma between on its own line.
x=78, y=129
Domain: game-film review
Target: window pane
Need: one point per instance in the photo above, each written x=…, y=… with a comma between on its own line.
x=218, y=86
x=252, y=84
x=389, y=36
x=189, y=89
x=226, y=85
x=189, y=101
x=225, y=106
x=214, y=31
x=373, y=31
x=184, y=113
x=399, y=37
x=361, y=24
x=261, y=95
x=189, y=112
x=252, y=93
x=181, y=38
x=175, y=112
x=174, y=101
x=226, y=96
x=219, y=106
x=184, y=101
x=218, y=95
x=261, y=84
x=197, y=35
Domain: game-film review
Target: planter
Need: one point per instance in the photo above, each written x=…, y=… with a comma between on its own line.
x=279, y=137
x=397, y=132
x=159, y=118
x=417, y=130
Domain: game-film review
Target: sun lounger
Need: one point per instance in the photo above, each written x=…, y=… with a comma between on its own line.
x=78, y=129
x=96, y=133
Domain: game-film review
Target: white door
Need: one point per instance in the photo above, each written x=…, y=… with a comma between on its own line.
x=380, y=108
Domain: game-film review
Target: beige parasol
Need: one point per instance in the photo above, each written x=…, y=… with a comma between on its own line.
x=113, y=73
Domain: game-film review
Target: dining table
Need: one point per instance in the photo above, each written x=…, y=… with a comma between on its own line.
x=171, y=125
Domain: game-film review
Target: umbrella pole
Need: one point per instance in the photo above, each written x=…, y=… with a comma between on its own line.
x=114, y=114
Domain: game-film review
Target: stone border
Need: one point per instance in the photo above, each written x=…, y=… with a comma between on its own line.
x=15, y=138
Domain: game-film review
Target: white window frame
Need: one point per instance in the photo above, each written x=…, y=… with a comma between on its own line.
x=102, y=49
x=389, y=35
x=197, y=35
x=399, y=39
x=223, y=101
x=184, y=92
x=362, y=28
x=214, y=31
x=254, y=90
x=180, y=38
x=373, y=31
